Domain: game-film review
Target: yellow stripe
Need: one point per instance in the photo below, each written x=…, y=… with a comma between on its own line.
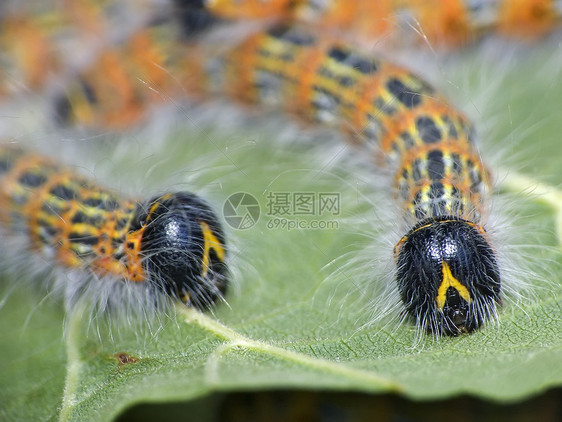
x=450, y=281
x=211, y=241
x=157, y=204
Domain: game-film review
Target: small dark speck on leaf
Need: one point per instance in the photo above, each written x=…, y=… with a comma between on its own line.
x=125, y=358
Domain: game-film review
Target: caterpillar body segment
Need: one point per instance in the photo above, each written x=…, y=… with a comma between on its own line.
x=113, y=87
x=27, y=54
x=422, y=137
x=448, y=22
x=171, y=243
x=446, y=273
x=45, y=42
x=33, y=37
x=118, y=88
x=458, y=22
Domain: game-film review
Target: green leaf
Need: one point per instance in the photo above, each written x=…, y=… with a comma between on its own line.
x=300, y=311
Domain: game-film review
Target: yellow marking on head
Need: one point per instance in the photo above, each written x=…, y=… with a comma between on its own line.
x=450, y=281
x=480, y=229
x=211, y=241
x=157, y=204
x=447, y=221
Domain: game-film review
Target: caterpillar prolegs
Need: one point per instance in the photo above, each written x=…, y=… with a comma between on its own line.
x=446, y=269
x=172, y=243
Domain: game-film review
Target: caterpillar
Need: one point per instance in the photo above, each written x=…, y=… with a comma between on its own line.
x=447, y=271
x=40, y=42
x=122, y=76
x=111, y=92
x=26, y=53
x=107, y=91
x=172, y=243
x=125, y=78
x=451, y=22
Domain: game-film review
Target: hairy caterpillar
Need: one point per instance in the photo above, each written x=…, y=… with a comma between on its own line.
x=131, y=73
x=441, y=182
x=451, y=22
x=26, y=53
x=446, y=269
x=109, y=92
x=30, y=35
x=45, y=41
x=95, y=77
x=172, y=243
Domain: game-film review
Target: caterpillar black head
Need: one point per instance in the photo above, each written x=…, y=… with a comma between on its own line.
x=447, y=275
x=183, y=248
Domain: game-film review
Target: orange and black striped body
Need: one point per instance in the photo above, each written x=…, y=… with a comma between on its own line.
x=445, y=22
x=33, y=38
x=427, y=142
x=27, y=53
x=450, y=22
x=172, y=242
x=456, y=22
x=121, y=84
x=103, y=42
x=440, y=180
